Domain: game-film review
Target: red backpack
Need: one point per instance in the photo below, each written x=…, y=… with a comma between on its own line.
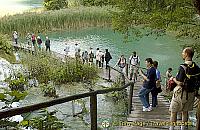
x=171, y=85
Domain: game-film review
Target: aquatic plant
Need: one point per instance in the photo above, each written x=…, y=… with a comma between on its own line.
x=48, y=121
x=48, y=90
x=74, y=18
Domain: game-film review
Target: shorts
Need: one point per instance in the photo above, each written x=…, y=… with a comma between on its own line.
x=178, y=103
x=133, y=69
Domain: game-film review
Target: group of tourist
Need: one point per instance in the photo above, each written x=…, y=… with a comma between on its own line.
x=88, y=56
x=33, y=41
x=187, y=85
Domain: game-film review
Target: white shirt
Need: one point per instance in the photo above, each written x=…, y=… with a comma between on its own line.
x=134, y=59
x=15, y=35
x=98, y=56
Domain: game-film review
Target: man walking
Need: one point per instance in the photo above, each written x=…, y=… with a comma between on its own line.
x=148, y=85
x=134, y=62
x=108, y=57
x=187, y=80
x=47, y=44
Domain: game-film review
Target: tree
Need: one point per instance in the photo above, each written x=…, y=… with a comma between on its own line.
x=179, y=16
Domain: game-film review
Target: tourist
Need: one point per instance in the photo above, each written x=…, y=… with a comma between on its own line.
x=134, y=62
x=148, y=85
x=67, y=50
x=102, y=58
x=157, y=89
x=39, y=41
x=91, y=56
x=168, y=76
x=76, y=47
x=78, y=55
x=108, y=57
x=187, y=80
x=97, y=56
x=85, y=57
x=121, y=63
x=15, y=37
x=28, y=38
x=47, y=44
x=33, y=39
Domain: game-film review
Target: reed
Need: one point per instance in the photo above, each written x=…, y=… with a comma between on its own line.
x=68, y=19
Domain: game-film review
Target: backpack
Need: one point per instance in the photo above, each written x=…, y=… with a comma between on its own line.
x=192, y=77
x=91, y=55
x=120, y=65
x=134, y=59
x=171, y=85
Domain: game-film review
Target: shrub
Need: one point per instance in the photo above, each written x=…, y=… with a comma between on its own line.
x=48, y=68
x=55, y=4
x=48, y=90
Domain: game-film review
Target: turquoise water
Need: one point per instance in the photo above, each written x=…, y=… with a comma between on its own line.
x=165, y=49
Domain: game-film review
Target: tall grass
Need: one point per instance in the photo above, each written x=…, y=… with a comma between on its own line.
x=68, y=19
x=46, y=68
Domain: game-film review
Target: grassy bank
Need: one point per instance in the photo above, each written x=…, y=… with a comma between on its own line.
x=74, y=18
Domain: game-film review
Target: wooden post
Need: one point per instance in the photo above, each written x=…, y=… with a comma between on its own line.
x=93, y=112
x=130, y=98
x=123, y=80
x=109, y=73
x=73, y=108
x=127, y=70
x=198, y=117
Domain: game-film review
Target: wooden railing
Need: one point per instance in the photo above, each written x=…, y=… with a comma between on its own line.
x=93, y=102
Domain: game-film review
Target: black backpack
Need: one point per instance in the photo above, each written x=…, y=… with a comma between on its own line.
x=192, y=77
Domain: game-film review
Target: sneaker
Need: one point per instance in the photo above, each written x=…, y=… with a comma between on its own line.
x=150, y=108
x=145, y=109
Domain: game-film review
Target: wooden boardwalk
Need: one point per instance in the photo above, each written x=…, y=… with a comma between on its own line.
x=148, y=120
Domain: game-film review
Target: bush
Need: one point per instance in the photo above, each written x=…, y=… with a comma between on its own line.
x=18, y=84
x=98, y=2
x=48, y=68
x=55, y=4
x=48, y=90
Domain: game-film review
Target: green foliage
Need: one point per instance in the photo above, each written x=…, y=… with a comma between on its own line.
x=48, y=121
x=5, y=45
x=6, y=48
x=179, y=16
x=55, y=4
x=73, y=3
x=48, y=68
x=12, y=96
x=98, y=2
x=18, y=83
x=75, y=18
x=118, y=95
x=6, y=124
x=48, y=90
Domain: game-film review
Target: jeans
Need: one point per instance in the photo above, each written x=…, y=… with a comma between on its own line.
x=154, y=97
x=142, y=94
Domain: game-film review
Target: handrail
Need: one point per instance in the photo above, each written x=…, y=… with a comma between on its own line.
x=93, y=101
x=30, y=108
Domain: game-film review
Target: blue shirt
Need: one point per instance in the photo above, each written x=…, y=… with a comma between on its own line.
x=151, y=75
